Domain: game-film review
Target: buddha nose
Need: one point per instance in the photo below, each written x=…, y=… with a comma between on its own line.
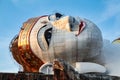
x=71, y=19
x=73, y=24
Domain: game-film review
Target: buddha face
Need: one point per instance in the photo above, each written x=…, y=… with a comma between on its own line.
x=43, y=39
x=70, y=38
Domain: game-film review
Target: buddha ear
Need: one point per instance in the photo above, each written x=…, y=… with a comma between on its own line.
x=48, y=34
x=44, y=37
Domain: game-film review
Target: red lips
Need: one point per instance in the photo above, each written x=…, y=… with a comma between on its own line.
x=81, y=27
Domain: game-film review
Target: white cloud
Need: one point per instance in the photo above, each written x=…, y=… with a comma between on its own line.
x=111, y=53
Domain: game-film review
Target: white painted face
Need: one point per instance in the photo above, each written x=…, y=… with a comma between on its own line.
x=69, y=38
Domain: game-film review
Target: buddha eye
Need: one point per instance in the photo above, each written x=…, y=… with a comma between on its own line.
x=58, y=15
x=54, y=17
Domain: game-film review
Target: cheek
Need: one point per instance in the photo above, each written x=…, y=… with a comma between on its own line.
x=63, y=45
x=62, y=24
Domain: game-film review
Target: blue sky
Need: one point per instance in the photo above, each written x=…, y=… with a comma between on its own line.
x=104, y=13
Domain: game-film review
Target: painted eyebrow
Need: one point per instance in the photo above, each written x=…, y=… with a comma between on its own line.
x=43, y=26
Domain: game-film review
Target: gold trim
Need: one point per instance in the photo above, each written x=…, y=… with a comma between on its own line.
x=27, y=56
